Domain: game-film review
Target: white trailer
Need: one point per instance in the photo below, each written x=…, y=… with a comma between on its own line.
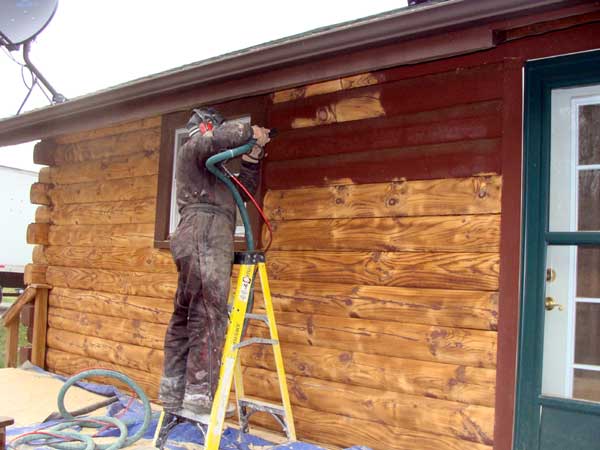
x=16, y=213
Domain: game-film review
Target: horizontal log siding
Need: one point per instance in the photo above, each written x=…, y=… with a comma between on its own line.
x=385, y=200
x=112, y=291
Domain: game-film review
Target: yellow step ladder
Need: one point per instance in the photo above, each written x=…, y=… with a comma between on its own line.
x=231, y=372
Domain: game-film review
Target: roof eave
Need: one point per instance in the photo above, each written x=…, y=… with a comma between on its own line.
x=357, y=35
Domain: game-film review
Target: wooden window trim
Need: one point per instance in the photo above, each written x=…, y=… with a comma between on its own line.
x=254, y=107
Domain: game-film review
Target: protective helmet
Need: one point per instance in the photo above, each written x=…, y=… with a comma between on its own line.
x=204, y=120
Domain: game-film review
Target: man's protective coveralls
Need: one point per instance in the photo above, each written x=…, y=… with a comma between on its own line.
x=202, y=247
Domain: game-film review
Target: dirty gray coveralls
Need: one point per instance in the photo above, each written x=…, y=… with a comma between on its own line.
x=202, y=247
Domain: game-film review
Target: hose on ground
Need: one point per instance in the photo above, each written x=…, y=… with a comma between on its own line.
x=56, y=437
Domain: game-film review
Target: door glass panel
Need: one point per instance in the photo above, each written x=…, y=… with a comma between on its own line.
x=589, y=199
x=575, y=160
x=571, y=359
x=587, y=333
x=589, y=134
x=588, y=272
x=587, y=385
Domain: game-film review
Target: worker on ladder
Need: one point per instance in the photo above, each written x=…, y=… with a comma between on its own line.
x=202, y=247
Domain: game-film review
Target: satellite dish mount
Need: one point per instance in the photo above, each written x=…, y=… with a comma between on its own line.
x=20, y=22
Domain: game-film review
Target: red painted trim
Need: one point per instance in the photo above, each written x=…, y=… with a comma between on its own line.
x=510, y=251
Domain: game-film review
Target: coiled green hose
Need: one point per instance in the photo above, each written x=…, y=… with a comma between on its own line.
x=86, y=442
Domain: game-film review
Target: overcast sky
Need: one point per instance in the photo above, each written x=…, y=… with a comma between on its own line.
x=92, y=45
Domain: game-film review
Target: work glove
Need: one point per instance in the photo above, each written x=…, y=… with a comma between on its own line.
x=258, y=152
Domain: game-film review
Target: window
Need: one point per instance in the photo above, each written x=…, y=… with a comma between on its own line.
x=173, y=136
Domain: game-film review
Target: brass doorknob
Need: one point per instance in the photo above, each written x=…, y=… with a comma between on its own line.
x=550, y=304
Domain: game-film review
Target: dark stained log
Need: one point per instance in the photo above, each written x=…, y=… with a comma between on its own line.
x=451, y=160
x=44, y=152
x=481, y=121
x=399, y=97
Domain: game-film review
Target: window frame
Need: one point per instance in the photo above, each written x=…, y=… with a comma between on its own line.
x=255, y=108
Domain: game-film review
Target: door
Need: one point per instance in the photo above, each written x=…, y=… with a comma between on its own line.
x=558, y=390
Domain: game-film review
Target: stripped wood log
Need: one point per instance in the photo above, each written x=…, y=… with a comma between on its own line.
x=108, y=146
x=35, y=274
x=136, y=188
x=349, y=431
x=476, y=271
x=111, y=258
x=467, y=422
x=344, y=110
x=474, y=348
x=38, y=256
x=128, y=331
x=106, y=350
x=475, y=195
x=124, y=166
x=130, y=283
x=479, y=233
x=433, y=380
x=326, y=87
x=40, y=326
x=452, y=308
x=39, y=194
x=43, y=214
x=142, y=124
x=69, y=364
x=37, y=233
x=122, y=212
x=146, y=309
x=122, y=235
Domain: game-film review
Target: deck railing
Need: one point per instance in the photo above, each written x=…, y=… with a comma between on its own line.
x=38, y=294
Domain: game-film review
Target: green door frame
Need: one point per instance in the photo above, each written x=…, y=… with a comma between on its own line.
x=541, y=77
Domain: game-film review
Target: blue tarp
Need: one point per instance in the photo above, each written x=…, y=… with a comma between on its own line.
x=184, y=433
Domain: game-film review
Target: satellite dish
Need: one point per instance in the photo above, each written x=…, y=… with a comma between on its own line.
x=22, y=20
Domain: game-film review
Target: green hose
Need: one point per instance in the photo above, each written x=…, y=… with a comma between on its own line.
x=86, y=443
x=211, y=166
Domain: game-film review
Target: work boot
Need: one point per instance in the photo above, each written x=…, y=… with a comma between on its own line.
x=165, y=425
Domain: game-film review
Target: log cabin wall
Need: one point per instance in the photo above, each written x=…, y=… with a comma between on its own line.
x=110, y=301
x=384, y=193
x=385, y=197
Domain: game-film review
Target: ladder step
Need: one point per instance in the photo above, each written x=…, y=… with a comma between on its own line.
x=261, y=317
x=259, y=405
x=251, y=341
